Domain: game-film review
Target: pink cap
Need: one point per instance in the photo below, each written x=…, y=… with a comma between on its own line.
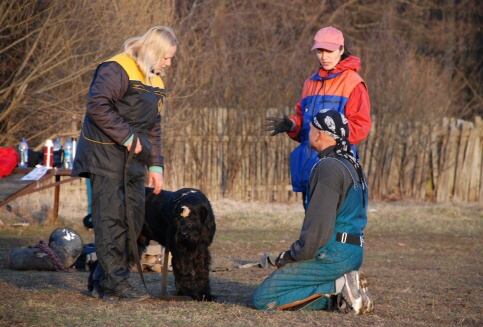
x=328, y=38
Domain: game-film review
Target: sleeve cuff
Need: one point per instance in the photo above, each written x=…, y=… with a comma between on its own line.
x=129, y=140
x=156, y=169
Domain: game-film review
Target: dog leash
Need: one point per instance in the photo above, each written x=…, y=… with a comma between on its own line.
x=164, y=281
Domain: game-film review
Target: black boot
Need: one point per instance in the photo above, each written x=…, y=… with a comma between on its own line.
x=129, y=294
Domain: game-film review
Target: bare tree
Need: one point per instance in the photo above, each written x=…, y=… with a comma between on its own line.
x=420, y=59
x=44, y=69
x=49, y=52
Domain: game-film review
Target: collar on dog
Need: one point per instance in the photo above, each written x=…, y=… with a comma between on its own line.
x=183, y=195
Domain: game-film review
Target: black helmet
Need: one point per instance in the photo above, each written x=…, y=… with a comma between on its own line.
x=68, y=240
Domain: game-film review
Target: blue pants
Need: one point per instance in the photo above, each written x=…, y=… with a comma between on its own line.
x=299, y=280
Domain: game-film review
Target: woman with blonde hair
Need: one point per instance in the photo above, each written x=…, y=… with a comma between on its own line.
x=122, y=116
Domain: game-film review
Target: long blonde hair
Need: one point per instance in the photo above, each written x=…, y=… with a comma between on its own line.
x=149, y=49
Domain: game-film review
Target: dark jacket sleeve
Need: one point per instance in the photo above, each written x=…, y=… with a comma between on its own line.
x=109, y=85
x=328, y=187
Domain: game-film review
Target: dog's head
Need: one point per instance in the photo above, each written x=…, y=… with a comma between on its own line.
x=195, y=222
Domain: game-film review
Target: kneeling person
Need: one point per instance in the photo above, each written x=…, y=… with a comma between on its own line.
x=324, y=261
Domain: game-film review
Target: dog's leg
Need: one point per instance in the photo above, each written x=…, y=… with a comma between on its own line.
x=192, y=275
x=185, y=280
x=203, y=276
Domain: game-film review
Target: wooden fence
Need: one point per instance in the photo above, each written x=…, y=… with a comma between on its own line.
x=437, y=163
x=228, y=155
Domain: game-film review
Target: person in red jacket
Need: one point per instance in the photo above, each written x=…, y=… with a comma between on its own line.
x=336, y=85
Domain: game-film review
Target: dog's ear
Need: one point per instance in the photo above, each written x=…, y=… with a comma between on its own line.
x=177, y=210
x=208, y=224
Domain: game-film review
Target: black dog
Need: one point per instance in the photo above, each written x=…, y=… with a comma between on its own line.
x=184, y=222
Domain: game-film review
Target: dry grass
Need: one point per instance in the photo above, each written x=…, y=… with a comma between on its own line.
x=423, y=262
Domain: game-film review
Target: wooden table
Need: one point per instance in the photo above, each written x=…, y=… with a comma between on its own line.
x=12, y=187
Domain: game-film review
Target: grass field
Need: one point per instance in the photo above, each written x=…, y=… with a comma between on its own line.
x=424, y=263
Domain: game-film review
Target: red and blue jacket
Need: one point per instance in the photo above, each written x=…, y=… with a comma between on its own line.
x=341, y=89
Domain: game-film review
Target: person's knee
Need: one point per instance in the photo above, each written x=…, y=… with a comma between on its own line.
x=261, y=301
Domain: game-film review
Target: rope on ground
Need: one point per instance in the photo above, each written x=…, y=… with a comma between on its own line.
x=58, y=265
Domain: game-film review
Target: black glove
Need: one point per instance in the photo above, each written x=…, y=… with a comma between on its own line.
x=278, y=125
x=284, y=258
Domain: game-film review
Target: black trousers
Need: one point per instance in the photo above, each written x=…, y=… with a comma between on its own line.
x=111, y=228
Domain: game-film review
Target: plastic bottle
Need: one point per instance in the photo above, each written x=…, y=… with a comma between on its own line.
x=68, y=154
x=57, y=153
x=74, y=148
x=23, y=148
x=49, y=154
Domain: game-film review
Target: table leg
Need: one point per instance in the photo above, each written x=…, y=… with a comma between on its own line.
x=56, y=199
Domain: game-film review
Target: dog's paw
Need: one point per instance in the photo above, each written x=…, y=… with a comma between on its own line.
x=208, y=298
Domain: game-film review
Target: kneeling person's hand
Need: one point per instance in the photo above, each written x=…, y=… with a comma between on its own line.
x=284, y=258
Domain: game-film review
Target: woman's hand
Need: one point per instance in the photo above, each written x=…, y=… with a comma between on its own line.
x=156, y=181
x=138, y=147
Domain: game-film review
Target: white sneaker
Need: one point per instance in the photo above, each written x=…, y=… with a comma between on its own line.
x=356, y=294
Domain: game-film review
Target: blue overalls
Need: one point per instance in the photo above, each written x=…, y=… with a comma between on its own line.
x=298, y=281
